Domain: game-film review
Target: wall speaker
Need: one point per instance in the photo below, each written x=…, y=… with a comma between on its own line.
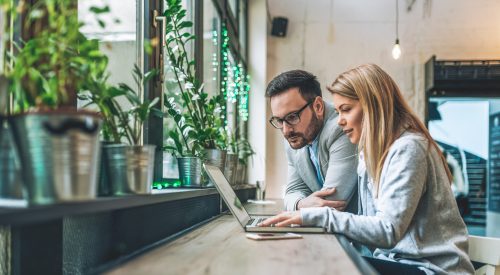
x=279, y=26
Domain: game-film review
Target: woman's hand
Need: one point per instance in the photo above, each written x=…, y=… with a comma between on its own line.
x=284, y=219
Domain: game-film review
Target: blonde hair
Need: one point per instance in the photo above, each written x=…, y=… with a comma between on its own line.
x=385, y=115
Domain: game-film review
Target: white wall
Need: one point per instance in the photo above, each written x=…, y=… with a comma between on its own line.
x=257, y=103
x=326, y=37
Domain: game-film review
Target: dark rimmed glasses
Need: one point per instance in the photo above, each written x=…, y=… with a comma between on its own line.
x=292, y=118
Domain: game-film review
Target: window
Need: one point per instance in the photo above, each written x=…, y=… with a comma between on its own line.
x=211, y=48
x=117, y=31
x=218, y=76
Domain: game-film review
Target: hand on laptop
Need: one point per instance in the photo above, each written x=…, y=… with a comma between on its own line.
x=317, y=199
x=283, y=219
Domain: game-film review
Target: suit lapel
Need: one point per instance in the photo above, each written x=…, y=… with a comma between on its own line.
x=306, y=169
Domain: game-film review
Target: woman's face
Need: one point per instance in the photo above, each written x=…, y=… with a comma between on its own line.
x=350, y=116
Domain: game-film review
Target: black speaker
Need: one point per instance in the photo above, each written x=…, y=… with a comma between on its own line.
x=279, y=26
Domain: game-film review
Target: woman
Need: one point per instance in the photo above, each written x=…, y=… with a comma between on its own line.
x=407, y=211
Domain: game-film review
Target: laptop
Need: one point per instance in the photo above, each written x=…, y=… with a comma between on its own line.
x=236, y=207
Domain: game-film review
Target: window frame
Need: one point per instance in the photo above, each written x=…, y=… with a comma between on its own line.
x=153, y=130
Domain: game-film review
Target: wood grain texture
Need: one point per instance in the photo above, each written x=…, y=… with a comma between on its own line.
x=220, y=247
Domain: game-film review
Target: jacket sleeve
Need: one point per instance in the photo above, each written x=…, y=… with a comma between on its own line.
x=296, y=188
x=341, y=171
x=402, y=185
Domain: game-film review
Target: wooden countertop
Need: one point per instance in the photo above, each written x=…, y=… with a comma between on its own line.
x=220, y=247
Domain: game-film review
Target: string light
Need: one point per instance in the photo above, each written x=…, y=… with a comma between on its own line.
x=234, y=81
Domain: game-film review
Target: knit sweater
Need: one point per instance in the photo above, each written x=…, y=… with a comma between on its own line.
x=414, y=220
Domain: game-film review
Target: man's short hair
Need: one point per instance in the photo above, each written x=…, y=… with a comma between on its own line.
x=307, y=83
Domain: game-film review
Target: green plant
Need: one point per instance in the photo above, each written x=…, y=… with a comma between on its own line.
x=244, y=150
x=197, y=117
x=53, y=66
x=132, y=120
x=117, y=122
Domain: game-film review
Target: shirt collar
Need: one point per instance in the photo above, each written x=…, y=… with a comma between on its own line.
x=314, y=145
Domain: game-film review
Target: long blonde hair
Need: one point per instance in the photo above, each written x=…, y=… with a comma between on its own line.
x=386, y=115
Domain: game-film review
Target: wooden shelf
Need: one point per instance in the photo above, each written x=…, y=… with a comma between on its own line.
x=36, y=214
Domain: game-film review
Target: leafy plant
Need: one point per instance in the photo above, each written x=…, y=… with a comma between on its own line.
x=120, y=123
x=53, y=66
x=197, y=117
x=132, y=121
x=245, y=150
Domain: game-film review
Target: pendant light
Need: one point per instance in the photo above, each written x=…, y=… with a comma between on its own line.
x=396, y=50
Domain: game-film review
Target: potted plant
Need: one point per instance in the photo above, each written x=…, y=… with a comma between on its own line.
x=128, y=166
x=199, y=133
x=58, y=144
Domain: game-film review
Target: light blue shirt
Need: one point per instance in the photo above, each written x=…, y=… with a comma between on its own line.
x=313, y=155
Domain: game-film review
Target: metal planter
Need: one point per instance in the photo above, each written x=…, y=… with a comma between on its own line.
x=140, y=167
x=59, y=153
x=241, y=171
x=190, y=171
x=215, y=157
x=113, y=167
x=128, y=169
x=10, y=177
x=230, y=167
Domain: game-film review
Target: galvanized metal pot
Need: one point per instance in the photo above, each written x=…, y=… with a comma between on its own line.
x=140, y=166
x=215, y=157
x=112, y=166
x=10, y=176
x=59, y=152
x=230, y=167
x=241, y=171
x=128, y=168
x=190, y=171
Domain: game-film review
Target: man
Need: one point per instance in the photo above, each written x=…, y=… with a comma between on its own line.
x=321, y=161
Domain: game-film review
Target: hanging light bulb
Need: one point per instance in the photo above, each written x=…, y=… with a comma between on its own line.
x=396, y=50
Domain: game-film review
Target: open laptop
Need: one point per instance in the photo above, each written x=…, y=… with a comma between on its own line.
x=236, y=207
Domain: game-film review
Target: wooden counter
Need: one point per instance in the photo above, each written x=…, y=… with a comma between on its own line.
x=220, y=247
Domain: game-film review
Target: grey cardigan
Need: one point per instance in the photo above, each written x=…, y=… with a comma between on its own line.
x=414, y=220
x=338, y=161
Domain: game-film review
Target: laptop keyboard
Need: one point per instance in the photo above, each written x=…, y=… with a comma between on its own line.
x=255, y=221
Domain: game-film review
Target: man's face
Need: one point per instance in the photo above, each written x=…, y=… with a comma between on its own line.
x=311, y=117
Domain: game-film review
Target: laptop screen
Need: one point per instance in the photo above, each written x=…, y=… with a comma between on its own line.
x=227, y=193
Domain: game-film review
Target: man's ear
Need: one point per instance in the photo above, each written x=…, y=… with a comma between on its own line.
x=319, y=107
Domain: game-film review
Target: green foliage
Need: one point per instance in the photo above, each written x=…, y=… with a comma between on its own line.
x=54, y=65
x=244, y=150
x=120, y=123
x=197, y=117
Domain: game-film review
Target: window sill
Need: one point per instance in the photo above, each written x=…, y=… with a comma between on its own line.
x=23, y=214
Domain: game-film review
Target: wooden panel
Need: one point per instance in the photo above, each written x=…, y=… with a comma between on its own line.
x=221, y=247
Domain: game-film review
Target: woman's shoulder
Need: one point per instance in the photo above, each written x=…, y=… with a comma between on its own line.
x=410, y=143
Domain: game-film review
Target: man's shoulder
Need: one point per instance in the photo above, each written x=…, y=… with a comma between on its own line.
x=331, y=130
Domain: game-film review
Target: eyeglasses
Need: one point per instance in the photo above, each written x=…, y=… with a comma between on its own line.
x=292, y=118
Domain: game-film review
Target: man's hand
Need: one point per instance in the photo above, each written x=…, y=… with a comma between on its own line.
x=317, y=199
x=283, y=219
